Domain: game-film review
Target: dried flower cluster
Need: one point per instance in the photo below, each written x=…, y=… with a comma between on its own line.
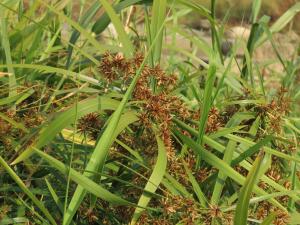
x=264, y=209
x=275, y=111
x=214, y=120
x=214, y=212
x=152, y=90
x=90, y=125
x=175, y=208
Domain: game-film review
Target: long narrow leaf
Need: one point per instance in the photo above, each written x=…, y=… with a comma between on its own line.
x=241, y=212
x=154, y=180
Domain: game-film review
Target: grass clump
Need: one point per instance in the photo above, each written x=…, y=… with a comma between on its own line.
x=145, y=121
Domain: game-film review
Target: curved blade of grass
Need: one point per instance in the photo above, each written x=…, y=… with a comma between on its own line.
x=124, y=38
x=22, y=23
x=50, y=69
x=66, y=118
x=269, y=219
x=97, y=158
x=256, y=5
x=177, y=185
x=16, y=98
x=197, y=41
x=82, y=180
x=281, y=22
x=5, y=44
x=130, y=150
x=252, y=150
x=157, y=18
x=54, y=196
x=241, y=212
x=236, y=138
x=16, y=220
x=224, y=131
x=255, y=33
x=154, y=180
x=207, y=103
x=104, y=20
x=214, y=32
x=211, y=75
x=14, y=123
x=198, y=8
x=221, y=176
x=197, y=189
x=23, y=187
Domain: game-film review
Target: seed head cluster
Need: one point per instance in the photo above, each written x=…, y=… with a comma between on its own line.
x=275, y=111
x=152, y=90
x=90, y=125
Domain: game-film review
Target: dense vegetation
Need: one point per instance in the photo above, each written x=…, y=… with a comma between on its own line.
x=105, y=118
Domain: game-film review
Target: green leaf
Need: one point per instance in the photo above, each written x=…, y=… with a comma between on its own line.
x=154, y=180
x=281, y=22
x=82, y=180
x=266, y=149
x=221, y=176
x=16, y=99
x=207, y=99
x=222, y=132
x=197, y=189
x=158, y=17
x=124, y=38
x=256, y=5
x=241, y=212
x=252, y=150
x=84, y=22
x=54, y=196
x=104, y=20
x=6, y=45
x=50, y=69
x=269, y=219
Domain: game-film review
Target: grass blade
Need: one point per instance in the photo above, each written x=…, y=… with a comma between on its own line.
x=124, y=38
x=221, y=176
x=281, y=22
x=154, y=180
x=256, y=5
x=241, y=213
x=158, y=17
x=85, y=182
x=5, y=44
x=211, y=75
x=197, y=189
x=269, y=219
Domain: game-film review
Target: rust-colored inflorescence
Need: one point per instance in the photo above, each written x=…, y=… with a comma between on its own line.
x=152, y=90
x=90, y=125
x=275, y=111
